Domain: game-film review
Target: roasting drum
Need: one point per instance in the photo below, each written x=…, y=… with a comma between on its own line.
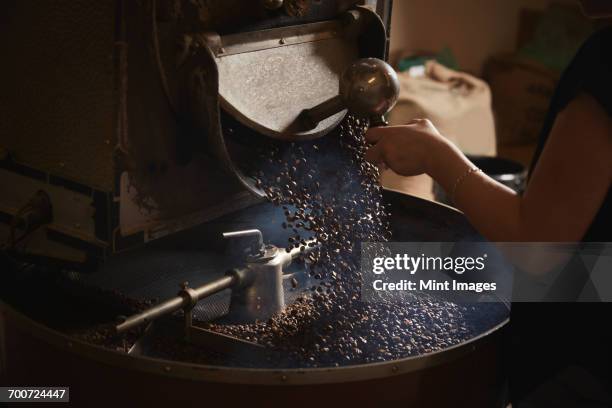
x=467, y=374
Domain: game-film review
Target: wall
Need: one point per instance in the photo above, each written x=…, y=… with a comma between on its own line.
x=473, y=29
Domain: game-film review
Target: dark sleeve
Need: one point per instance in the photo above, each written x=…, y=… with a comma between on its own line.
x=591, y=72
x=596, y=69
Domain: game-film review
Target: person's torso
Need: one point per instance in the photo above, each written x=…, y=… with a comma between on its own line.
x=590, y=71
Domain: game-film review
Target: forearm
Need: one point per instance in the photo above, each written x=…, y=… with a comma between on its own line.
x=558, y=205
x=492, y=208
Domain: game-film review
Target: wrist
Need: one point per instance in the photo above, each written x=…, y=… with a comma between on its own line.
x=446, y=163
x=439, y=151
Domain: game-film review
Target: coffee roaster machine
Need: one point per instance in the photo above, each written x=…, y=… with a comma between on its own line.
x=120, y=148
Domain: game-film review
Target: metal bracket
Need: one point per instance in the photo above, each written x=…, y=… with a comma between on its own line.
x=256, y=247
x=215, y=341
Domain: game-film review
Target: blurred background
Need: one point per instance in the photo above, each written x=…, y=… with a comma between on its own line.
x=484, y=72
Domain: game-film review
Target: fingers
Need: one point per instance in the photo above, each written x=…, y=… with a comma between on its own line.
x=375, y=155
x=419, y=121
x=373, y=135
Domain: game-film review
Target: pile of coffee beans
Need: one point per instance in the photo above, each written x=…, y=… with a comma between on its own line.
x=330, y=193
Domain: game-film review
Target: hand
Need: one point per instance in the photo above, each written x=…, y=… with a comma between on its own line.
x=408, y=150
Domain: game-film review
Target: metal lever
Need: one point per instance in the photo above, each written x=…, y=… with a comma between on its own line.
x=257, y=289
x=368, y=87
x=186, y=299
x=257, y=246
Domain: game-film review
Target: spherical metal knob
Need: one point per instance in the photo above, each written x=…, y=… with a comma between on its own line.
x=272, y=4
x=369, y=87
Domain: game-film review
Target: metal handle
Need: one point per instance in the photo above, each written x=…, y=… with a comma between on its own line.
x=257, y=244
x=272, y=4
x=310, y=118
x=308, y=246
x=367, y=87
x=186, y=298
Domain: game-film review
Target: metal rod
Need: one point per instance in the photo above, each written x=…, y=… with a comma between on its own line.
x=176, y=303
x=310, y=118
x=215, y=286
x=245, y=233
x=295, y=252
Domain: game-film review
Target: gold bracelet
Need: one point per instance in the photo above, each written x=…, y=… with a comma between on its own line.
x=461, y=179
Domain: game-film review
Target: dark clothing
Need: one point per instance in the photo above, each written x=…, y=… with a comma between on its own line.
x=549, y=337
x=591, y=72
